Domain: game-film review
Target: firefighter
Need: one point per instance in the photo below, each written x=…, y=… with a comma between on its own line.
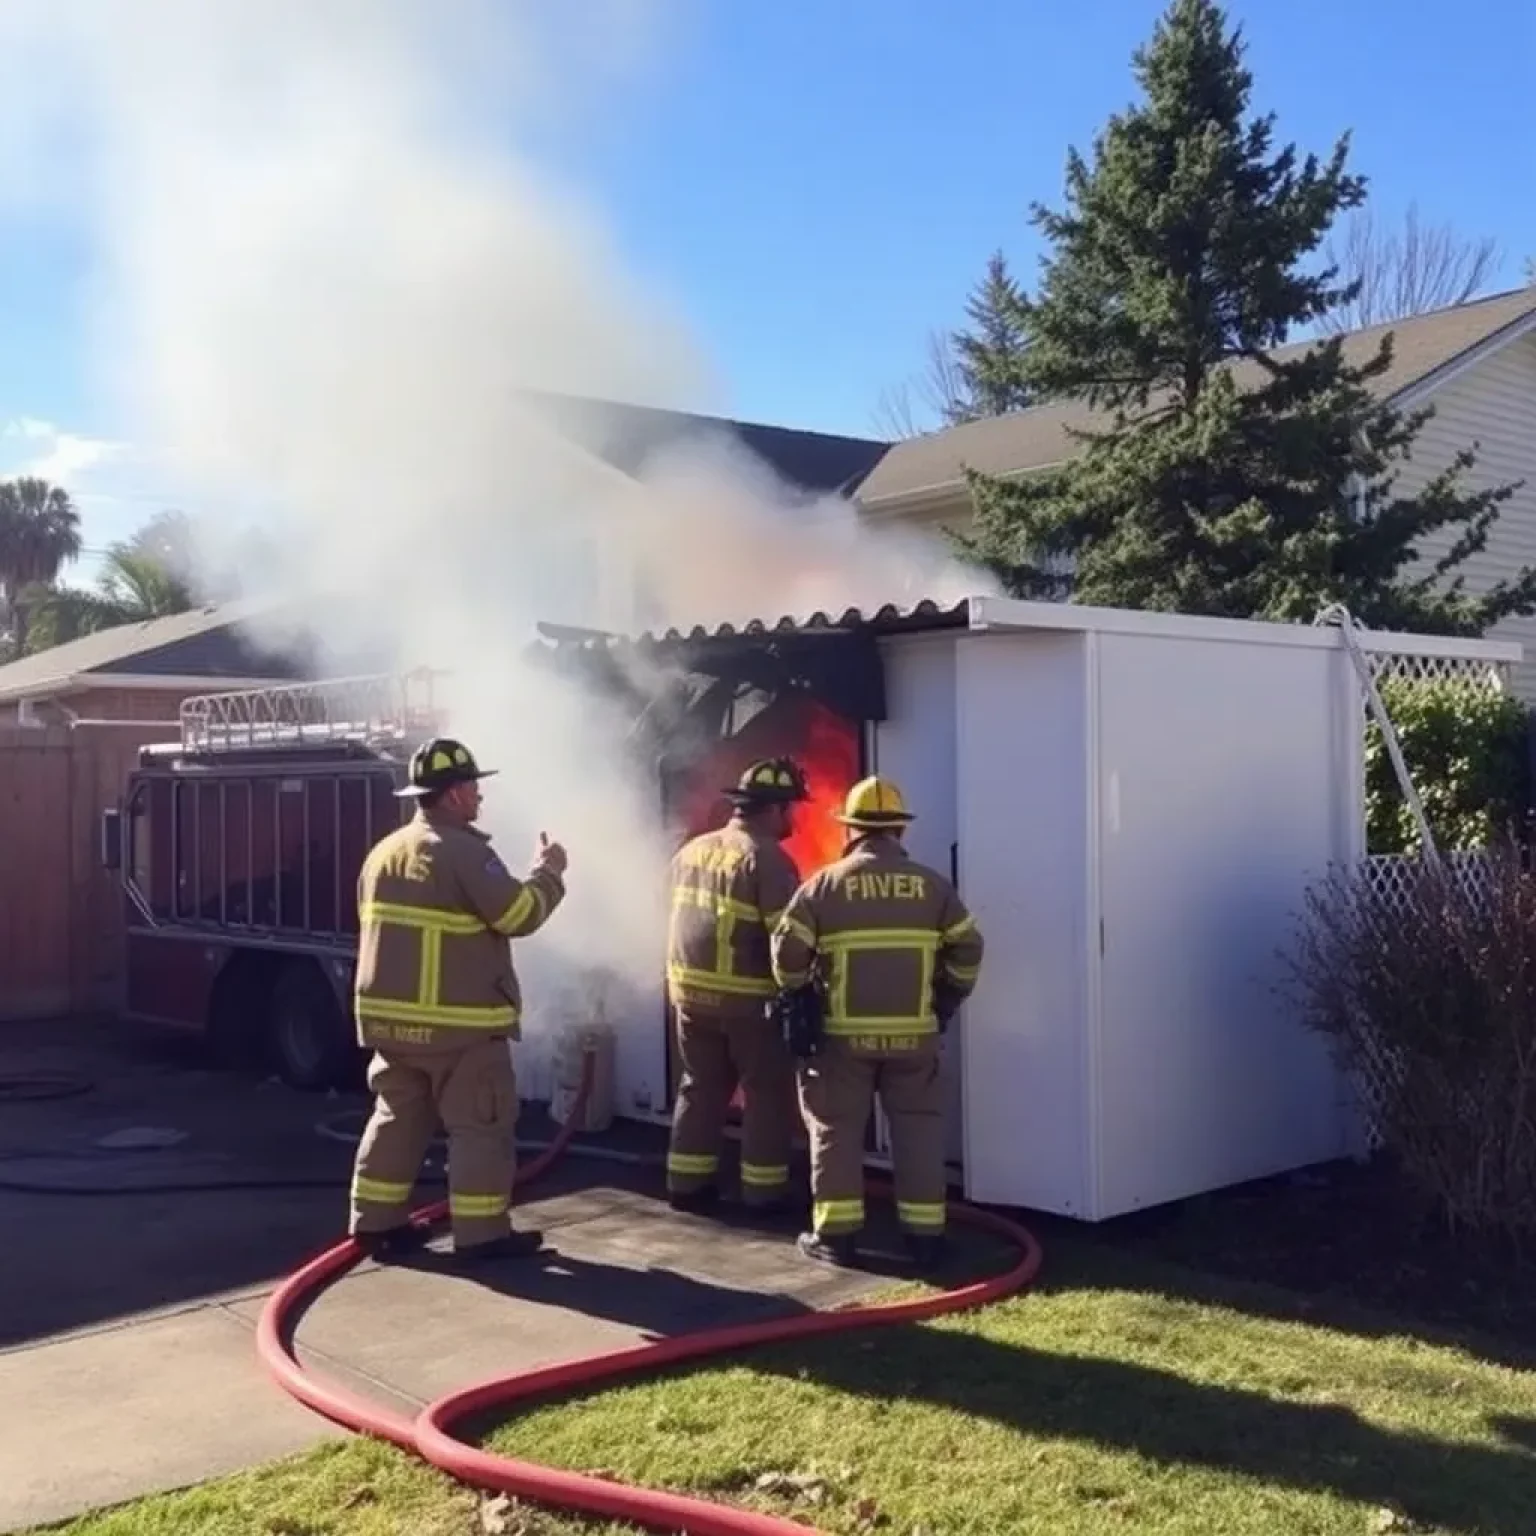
x=728, y=888
x=893, y=953
x=437, y=1001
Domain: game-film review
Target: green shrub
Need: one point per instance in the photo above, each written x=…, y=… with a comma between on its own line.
x=1466, y=748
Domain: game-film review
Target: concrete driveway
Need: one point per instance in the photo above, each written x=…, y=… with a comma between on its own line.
x=127, y=1318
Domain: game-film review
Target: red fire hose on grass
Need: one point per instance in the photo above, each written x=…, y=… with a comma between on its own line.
x=430, y=1435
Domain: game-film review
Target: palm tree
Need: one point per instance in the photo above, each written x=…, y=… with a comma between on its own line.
x=139, y=585
x=140, y=580
x=39, y=536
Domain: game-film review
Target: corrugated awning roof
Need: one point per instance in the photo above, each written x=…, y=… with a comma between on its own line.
x=889, y=618
x=832, y=654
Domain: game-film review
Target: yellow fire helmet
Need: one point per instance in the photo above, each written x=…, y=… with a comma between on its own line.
x=875, y=803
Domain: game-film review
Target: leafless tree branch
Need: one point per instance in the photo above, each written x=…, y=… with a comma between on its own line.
x=1407, y=273
x=934, y=397
x=896, y=414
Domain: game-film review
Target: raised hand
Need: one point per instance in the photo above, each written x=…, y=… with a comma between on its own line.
x=551, y=855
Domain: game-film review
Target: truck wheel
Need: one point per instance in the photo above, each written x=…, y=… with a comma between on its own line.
x=307, y=1030
x=242, y=997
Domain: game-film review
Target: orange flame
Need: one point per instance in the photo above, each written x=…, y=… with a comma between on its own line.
x=829, y=756
x=824, y=744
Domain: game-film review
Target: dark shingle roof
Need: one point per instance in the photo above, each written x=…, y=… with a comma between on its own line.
x=204, y=642
x=626, y=435
x=1042, y=436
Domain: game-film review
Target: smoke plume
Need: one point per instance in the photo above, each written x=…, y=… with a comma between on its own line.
x=329, y=266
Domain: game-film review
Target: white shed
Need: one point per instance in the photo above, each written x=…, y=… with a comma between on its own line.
x=1134, y=805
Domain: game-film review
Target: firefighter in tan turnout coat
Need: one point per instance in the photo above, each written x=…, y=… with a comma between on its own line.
x=896, y=953
x=728, y=888
x=437, y=1000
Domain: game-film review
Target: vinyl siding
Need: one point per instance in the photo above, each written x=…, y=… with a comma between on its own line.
x=1491, y=408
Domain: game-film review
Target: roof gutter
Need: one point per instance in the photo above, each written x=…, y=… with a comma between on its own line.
x=939, y=496
x=64, y=683
x=1412, y=395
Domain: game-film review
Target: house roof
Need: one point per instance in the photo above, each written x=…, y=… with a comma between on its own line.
x=208, y=642
x=201, y=643
x=1423, y=347
x=627, y=435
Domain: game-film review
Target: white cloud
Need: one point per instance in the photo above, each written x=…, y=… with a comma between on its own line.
x=29, y=427
x=60, y=457
x=114, y=487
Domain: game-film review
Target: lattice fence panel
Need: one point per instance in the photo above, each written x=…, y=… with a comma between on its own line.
x=1440, y=669
x=1389, y=877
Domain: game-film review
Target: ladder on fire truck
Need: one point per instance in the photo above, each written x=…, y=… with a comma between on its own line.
x=383, y=711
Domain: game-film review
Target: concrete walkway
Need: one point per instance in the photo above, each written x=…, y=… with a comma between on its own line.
x=172, y=1399
x=129, y=1320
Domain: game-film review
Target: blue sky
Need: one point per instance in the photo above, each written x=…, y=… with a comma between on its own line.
x=817, y=183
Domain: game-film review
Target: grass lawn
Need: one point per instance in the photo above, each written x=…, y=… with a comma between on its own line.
x=1127, y=1394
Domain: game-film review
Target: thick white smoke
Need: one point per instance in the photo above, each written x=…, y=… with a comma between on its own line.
x=327, y=263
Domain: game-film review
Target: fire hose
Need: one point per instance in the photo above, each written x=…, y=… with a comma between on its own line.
x=430, y=1435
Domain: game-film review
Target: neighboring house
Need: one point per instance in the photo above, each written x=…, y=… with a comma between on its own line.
x=626, y=436
x=694, y=465
x=143, y=671
x=1474, y=363
x=139, y=672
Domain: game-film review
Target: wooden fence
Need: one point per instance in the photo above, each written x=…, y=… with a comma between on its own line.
x=61, y=913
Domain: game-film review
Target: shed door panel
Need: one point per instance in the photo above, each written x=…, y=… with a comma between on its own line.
x=1217, y=783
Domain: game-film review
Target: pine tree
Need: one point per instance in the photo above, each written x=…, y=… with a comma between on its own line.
x=1225, y=479
x=989, y=359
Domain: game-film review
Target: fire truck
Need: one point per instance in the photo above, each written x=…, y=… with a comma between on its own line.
x=238, y=845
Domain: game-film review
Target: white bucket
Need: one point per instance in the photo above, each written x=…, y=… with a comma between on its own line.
x=572, y=1046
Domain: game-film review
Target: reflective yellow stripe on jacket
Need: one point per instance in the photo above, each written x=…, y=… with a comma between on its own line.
x=888, y=939
x=841, y=948
x=953, y=970
x=430, y=924
x=526, y=913
x=726, y=911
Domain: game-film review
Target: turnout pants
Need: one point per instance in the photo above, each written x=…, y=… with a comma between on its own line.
x=472, y=1092
x=716, y=1054
x=837, y=1089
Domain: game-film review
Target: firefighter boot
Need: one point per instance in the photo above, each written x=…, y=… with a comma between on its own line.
x=694, y=1202
x=927, y=1250
x=840, y=1248
x=392, y=1243
x=511, y=1245
x=792, y=1210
